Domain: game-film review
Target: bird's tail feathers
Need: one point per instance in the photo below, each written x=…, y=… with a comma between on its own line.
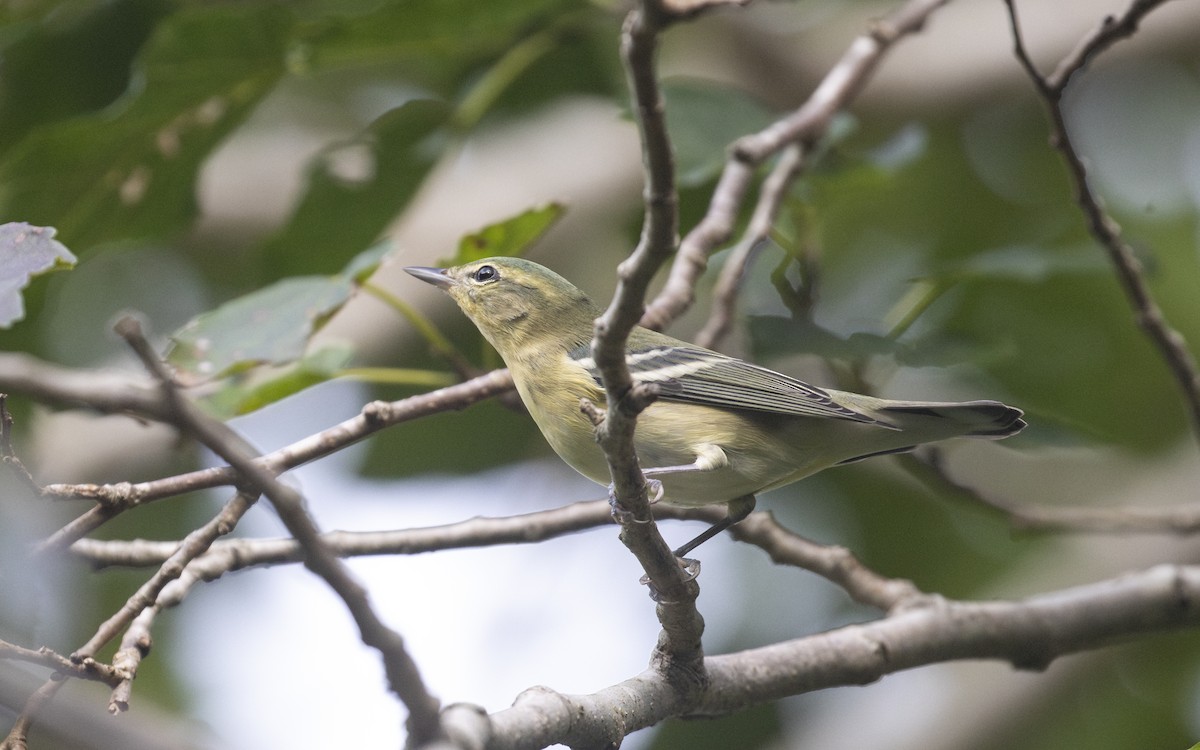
x=983, y=419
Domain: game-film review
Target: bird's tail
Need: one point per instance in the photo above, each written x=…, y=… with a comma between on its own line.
x=984, y=419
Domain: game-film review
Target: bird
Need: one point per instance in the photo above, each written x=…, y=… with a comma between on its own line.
x=720, y=431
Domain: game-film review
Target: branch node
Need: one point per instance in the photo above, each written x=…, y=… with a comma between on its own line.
x=594, y=413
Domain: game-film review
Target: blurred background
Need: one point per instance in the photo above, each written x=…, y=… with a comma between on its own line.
x=190, y=153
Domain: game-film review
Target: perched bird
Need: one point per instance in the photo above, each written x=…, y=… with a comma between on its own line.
x=721, y=431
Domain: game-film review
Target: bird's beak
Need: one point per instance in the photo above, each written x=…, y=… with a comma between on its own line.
x=435, y=276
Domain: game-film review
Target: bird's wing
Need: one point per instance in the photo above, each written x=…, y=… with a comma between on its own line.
x=700, y=376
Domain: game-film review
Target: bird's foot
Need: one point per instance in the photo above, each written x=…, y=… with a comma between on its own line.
x=691, y=569
x=654, y=489
x=619, y=513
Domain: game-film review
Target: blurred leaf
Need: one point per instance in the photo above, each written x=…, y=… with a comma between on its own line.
x=485, y=435
x=1027, y=263
x=362, y=266
x=1076, y=354
x=773, y=336
x=759, y=726
x=25, y=252
x=703, y=119
x=130, y=171
x=1131, y=695
x=67, y=58
x=355, y=189
x=907, y=145
x=569, y=56
x=269, y=326
x=902, y=530
x=74, y=324
x=434, y=43
x=509, y=237
x=248, y=392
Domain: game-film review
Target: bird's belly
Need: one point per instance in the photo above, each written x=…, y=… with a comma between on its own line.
x=666, y=436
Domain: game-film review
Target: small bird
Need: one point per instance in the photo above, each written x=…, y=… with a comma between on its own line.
x=722, y=430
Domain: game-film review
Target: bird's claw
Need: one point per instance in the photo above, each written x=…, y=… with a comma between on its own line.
x=654, y=489
x=618, y=511
x=691, y=569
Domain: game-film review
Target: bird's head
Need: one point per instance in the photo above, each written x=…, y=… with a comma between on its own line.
x=512, y=300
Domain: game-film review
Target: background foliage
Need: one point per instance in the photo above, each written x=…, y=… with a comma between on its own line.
x=191, y=153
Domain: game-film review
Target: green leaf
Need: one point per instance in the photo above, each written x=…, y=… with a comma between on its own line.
x=247, y=392
x=25, y=252
x=773, y=336
x=361, y=266
x=434, y=43
x=509, y=237
x=703, y=119
x=487, y=434
x=356, y=188
x=65, y=59
x=1027, y=263
x=269, y=326
x=130, y=170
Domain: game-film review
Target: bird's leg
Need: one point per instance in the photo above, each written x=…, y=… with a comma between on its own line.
x=738, y=509
x=708, y=458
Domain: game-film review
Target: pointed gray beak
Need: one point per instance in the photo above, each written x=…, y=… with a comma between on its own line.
x=435, y=276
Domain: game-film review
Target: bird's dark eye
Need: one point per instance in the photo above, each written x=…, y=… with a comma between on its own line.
x=485, y=273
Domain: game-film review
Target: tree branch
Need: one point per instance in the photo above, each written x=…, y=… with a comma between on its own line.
x=1171, y=345
x=86, y=669
x=766, y=211
x=236, y=554
x=929, y=468
x=804, y=127
x=834, y=563
x=105, y=392
x=192, y=546
x=18, y=735
x=8, y=452
x=403, y=677
x=679, y=650
x=1029, y=634
x=113, y=499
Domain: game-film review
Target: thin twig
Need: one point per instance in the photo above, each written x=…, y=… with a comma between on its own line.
x=18, y=735
x=192, y=546
x=679, y=650
x=403, y=677
x=774, y=190
x=834, y=563
x=235, y=554
x=86, y=669
x=105, y=392
x=135, y=645
x=805, y=126
x=1171, y=345
x=113, y=499
x=133, y=616
x=8, y=453
x=929, y=468
x=760, y=529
